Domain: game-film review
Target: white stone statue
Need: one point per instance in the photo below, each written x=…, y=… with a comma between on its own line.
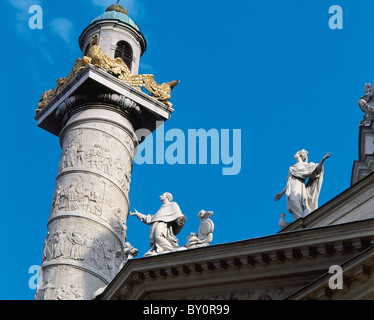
x=366, y=104
x=205, y=234
x=128, y=253
x=302, y=198
x=165, y=225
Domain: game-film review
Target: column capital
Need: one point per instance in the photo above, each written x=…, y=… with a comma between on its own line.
x=114, y=101
x=97, y=86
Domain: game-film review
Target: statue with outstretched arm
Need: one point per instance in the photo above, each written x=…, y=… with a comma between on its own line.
x=302, y=198
x=165, y=225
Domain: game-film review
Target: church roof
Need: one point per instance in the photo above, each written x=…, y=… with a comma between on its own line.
x=117, y=12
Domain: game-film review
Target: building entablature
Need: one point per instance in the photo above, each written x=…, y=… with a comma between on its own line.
x=279, y=263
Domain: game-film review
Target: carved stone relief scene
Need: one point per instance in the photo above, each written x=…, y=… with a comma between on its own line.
x=84, y=244
x=98, y=152
x=93, y=197
x=66, y=283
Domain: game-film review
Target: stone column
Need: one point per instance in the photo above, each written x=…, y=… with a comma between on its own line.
x=95, y=117
x=87, y=226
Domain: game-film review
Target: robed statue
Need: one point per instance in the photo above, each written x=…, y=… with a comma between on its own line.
x=165, y=225
x=302, y=195
x=205, y=234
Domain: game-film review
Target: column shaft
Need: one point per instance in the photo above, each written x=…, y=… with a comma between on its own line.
x=87, y=224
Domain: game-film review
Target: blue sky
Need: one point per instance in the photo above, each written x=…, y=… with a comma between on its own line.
x=273, y=69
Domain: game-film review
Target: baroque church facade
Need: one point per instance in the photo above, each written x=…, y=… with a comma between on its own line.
x=95, y=111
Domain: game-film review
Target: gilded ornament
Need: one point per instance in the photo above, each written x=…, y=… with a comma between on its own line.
x=116, y=67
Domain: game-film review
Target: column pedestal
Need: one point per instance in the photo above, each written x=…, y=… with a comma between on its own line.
x=365, y=165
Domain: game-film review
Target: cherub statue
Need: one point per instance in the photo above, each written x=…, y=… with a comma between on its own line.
x=205, y=234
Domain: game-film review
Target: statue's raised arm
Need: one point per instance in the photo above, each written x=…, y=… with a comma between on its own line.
x=320, y=165
x=302, y=197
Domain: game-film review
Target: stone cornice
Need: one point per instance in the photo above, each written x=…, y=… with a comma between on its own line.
x=233, y=261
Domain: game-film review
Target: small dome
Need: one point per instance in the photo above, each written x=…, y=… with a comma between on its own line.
x=114, y=14
x=117, y=7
